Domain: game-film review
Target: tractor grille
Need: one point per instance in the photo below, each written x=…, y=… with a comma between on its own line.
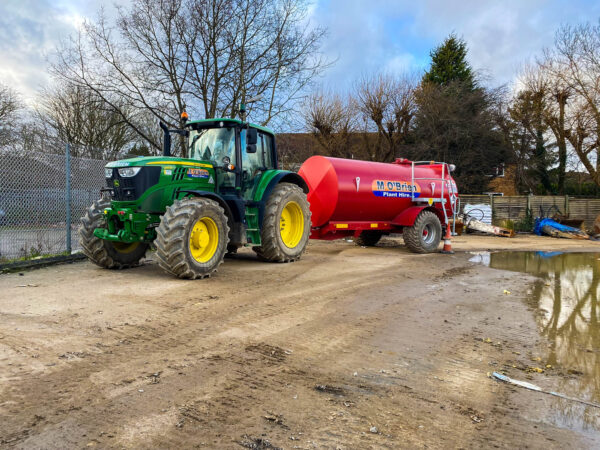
x=179, y=173
x=131, y=188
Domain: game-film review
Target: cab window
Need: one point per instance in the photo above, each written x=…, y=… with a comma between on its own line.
x=263, y=158
x=214, y=145
x=264, y=148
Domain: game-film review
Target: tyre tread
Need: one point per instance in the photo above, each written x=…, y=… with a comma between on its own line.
x=270, y=249
x=95, y=248
x=412, y=236
x=171, y=238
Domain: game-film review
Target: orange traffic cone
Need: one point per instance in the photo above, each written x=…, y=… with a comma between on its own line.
x=447, y=250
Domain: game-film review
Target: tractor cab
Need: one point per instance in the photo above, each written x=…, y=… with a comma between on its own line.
x=240, y=153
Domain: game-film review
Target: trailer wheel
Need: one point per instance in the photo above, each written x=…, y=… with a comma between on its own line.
x=286, y=224
x=425, y=234
x=192, y=238
x=103, y=253
x=368, y=238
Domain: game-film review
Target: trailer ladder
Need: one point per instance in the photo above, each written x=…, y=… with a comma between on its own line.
x=445, y=186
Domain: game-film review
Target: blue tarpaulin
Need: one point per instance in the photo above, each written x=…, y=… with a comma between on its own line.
x=540, y=223
x=547, y=255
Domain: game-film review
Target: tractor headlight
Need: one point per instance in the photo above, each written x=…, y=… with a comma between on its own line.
x=108, y=172
x=127, y=172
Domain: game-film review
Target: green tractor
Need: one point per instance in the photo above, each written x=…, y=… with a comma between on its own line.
x=227, y=194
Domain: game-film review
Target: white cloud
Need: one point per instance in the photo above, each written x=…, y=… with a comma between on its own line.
x=358, y=41
x=29, y=33
x=364, y=37
x=500, y=35
x=398, y=35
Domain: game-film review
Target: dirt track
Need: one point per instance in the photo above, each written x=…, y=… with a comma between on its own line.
x=306, y=355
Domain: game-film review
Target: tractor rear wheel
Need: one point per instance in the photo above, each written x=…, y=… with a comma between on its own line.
x=368, y=238
x=286, y=224
x=103, y=253
x=192, y=238
x=425, y=234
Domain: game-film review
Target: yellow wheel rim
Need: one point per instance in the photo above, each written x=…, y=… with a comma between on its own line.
x=204, y=239
x=125, y=247
x=291, y=224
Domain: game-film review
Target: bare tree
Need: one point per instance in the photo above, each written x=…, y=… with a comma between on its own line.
x=10, y=104
x=516, y=138
x=163, y=56
x=530, y=109
x=332, y=120
x=555, y=115
x=250, y=48
x=575, y=62
x=77, y=115
x=388, y=107
x=139, y=60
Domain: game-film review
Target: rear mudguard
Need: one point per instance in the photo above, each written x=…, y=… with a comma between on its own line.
x=407, y=217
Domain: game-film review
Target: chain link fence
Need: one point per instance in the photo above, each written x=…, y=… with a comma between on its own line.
x=42, y=197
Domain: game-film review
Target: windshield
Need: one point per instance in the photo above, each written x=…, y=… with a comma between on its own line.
x=212, y=144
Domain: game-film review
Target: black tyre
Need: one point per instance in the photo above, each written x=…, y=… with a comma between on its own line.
x=425, y=234
x=192, y=238
x=286, y=224
x=368, y=238
x=107, y=254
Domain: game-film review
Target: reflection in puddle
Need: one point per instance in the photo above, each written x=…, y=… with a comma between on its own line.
x=566, y=294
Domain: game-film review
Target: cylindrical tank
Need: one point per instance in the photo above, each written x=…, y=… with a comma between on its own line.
x=353, y=190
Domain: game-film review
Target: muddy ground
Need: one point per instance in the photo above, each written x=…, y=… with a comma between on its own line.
x=348, y=348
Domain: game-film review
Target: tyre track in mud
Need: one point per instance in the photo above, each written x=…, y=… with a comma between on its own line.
x=309, y=354
x=69, y=389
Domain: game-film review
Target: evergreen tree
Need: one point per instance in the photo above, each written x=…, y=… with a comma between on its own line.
x=449, y=64
x=455, y=119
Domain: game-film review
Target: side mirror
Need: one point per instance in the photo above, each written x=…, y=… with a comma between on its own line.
x=251, y=148
x=251, y=137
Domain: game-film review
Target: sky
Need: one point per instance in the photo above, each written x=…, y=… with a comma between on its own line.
x=364, y=36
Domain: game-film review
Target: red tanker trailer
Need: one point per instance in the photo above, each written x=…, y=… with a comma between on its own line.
x=369, y=199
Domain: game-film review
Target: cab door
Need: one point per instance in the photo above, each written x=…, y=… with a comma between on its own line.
x=255, y=164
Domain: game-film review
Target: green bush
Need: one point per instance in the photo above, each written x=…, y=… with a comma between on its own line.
x=525, y=224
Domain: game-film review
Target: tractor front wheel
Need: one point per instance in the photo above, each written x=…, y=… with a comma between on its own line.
x=107, y=254
x=192, y=238
x=286, y=224
x=425, y=234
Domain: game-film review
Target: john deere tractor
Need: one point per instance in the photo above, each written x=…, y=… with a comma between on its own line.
x=226, y=194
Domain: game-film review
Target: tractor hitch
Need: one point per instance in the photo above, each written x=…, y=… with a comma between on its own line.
x=125, y=225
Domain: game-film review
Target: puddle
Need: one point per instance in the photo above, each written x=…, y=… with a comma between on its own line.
x=566, y=298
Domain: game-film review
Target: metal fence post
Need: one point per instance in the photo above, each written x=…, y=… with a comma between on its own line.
x=68, y=194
